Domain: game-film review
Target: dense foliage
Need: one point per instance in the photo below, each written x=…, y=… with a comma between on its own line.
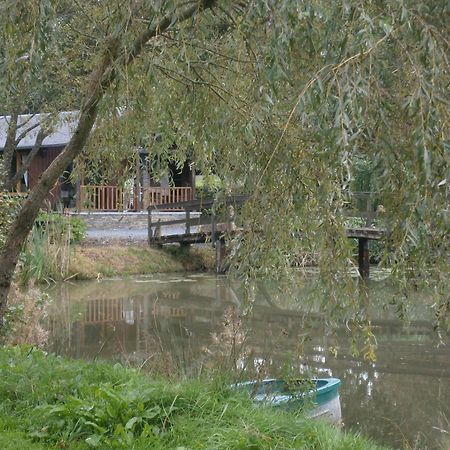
x=57, y=225
x=83, y=405
x=280, y=99
x=9, y=206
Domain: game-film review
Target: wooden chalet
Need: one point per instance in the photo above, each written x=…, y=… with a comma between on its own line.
x=137, y=194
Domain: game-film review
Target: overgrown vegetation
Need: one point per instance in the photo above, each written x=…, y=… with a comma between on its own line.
x=23, y=320
x=9, y=207
x=47, y=261
x=284, y=100
x=59, y=403
x=46, y=256
x=57, y=225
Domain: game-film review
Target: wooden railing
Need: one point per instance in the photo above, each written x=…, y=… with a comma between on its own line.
x=366, y=206
x=154, y=196
x=103, y=198
x=363, y=209
x=113, y=198
x=208, y=217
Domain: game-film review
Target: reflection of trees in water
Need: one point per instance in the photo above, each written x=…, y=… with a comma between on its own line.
x=406, y=416
x=401, y=398
x=171, y=325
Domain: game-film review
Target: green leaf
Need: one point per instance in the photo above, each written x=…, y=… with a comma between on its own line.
x=130, y=424
x=93, y=440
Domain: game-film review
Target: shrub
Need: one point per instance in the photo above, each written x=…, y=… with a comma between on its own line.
x=58, y=225
x=9, y=207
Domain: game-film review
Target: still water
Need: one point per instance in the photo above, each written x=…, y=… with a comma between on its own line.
x=191, y=322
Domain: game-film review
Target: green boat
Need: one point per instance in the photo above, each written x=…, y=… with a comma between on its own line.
x=319, y=397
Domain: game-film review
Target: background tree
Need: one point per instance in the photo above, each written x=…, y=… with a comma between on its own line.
x=280, y=97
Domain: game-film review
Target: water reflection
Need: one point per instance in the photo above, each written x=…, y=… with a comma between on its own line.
x=401, y=399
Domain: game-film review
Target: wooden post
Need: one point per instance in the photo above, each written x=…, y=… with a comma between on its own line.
x=363, y=258
x=213, y=229
x=188, y=227
x=157, y=233
x=137, y=186
x=149, y=228
x=188, y=221
x=369, y=210
x=158, y=229
x=194, y=193
x=220, y=255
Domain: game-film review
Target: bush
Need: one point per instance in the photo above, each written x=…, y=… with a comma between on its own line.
x=46, y=256
x=58, y=225
x=208, y=187
x=9, y=207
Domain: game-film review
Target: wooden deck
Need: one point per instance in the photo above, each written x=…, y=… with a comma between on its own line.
x=373, y=234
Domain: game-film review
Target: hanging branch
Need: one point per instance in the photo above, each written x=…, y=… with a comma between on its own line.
x=101, y=79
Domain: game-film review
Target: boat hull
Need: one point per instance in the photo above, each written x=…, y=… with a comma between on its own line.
x=318, y=397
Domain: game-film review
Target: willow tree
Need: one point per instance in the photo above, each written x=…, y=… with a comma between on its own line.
x=278, y=97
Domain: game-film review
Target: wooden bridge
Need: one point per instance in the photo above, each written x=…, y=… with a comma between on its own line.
x=213, y=227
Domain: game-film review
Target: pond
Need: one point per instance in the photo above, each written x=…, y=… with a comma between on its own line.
x=191, y=322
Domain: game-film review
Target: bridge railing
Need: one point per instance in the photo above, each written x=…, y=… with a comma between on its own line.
x=170, y=197
x=365, y=206
x=207, y=217
x=362, y=232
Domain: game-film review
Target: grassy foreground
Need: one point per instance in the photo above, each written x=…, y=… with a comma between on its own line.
x=51, y=402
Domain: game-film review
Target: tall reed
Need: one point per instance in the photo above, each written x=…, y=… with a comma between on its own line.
x=46, y=255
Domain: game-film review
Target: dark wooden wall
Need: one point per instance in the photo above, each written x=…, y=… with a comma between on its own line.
x=40, y=163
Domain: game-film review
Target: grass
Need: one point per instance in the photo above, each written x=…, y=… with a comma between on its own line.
x=45, y=262
x=90, y=262
x=52, y=402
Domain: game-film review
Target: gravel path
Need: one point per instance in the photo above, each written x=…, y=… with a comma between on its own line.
x=130, y=234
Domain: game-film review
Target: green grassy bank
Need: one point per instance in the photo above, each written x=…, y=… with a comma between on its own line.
x=51, y=402
x=118, y=260
x=50, y=262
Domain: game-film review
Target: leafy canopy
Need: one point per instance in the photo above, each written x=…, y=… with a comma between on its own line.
x=281, y=99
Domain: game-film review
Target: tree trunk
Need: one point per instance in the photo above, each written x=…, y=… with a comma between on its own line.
x=27, y=215
x=8, y=151
x=101, y=79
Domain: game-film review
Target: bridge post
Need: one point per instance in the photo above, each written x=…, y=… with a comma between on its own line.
x=363, y=258
x=149, y=228
x=187, y=227
x=220, y=255
x=188, y=223
x=213, y=229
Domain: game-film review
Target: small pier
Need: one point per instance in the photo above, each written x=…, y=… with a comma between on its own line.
x=212, y=227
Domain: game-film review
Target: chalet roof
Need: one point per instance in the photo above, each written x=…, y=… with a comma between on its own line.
x=63, y=129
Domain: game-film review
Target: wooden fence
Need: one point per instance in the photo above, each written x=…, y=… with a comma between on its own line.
x=101, y=198
x=113, y=198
